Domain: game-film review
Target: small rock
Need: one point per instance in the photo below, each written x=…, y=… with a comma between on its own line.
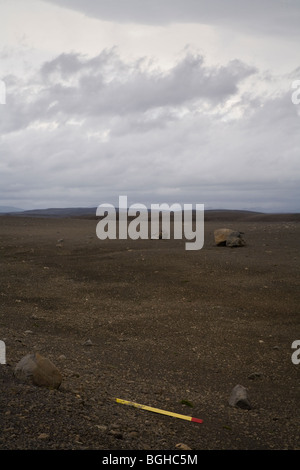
x=239, y=398
x=101, y=427
x=38, y=370
x=182, y=446
x=255, y=375
x=43, y=435
x=88, y=342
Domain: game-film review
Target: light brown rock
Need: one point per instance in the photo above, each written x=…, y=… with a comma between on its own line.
x=228, y=237
x=38, y=370
x=221, y=235
x=182, y=446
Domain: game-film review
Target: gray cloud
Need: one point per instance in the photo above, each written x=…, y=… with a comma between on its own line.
x=72, y=85
x=265, y=16
x=79, y=129
x=83, y=130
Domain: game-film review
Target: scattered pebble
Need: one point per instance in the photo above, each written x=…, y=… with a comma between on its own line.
x=43, y=435
x=182, y=446
x=255, y=375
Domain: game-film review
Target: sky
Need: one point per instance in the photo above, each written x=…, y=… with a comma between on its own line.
x=170, y=101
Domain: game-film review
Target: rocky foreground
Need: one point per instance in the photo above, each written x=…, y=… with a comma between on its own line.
x=148, y=322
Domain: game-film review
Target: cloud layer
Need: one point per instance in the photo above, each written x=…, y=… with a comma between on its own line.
x=82, y=130
x=174, y=101
x=266, y=16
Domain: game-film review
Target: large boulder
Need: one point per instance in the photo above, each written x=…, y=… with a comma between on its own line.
x=228, y=237
x=235, y=239
x=38, y=370
x=221, y=235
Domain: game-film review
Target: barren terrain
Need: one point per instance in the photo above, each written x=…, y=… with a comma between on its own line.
x=149, y=322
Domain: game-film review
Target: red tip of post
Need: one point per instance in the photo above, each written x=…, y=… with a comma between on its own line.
x=196, y=420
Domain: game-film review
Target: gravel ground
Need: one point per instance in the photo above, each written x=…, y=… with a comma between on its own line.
x=149, y=322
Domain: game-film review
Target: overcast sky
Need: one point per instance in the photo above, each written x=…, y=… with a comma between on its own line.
x=177, y=101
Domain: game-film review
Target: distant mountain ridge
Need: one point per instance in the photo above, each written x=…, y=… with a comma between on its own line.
x=59, y=212
x=218, y=215
x=7, y=209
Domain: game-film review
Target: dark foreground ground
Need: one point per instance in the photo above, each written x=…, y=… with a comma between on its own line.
x=168, y=328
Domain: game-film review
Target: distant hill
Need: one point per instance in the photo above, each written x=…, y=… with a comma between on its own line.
x=7, y=209
x=58, y=212
x=211, y=215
